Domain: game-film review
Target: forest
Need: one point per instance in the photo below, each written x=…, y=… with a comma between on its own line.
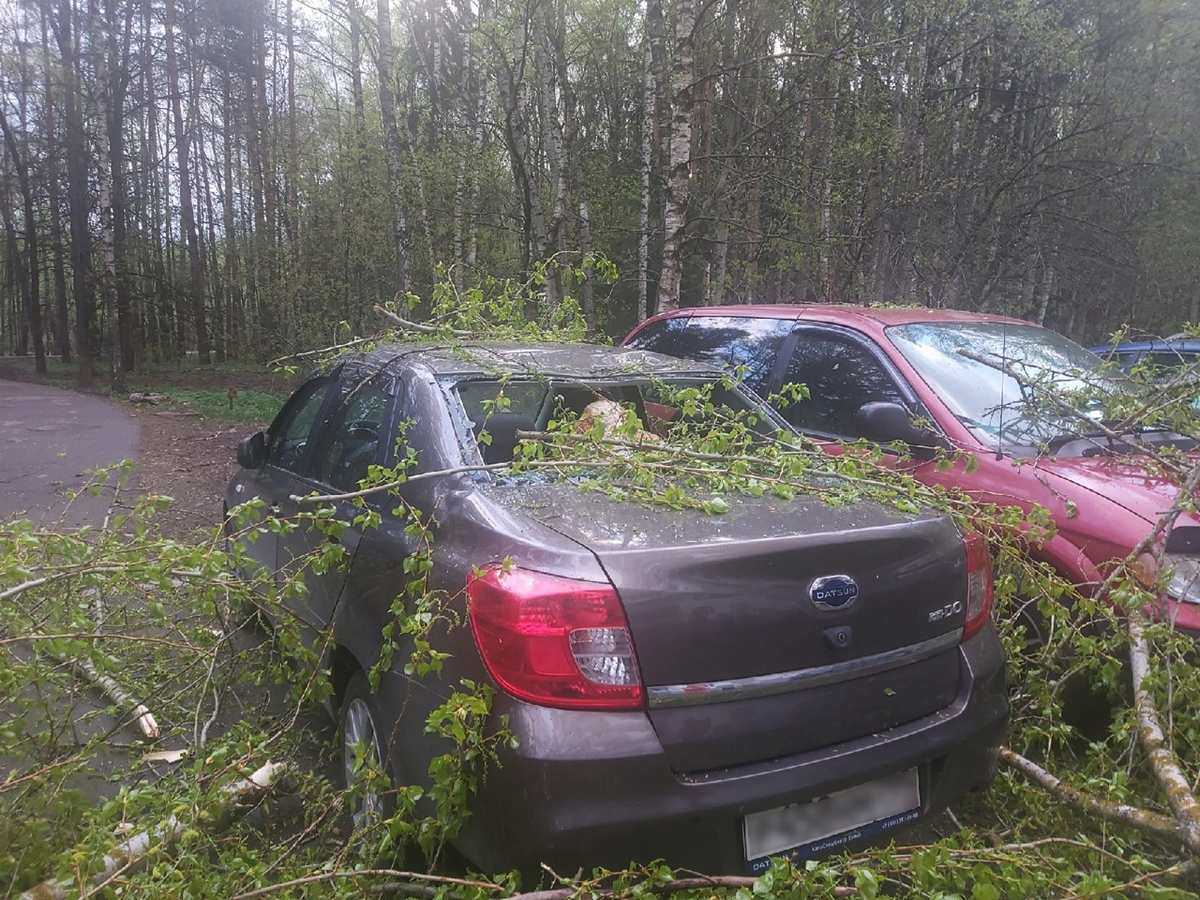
x=242, y=179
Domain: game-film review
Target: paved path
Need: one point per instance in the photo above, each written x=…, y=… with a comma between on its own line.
x=49, y=439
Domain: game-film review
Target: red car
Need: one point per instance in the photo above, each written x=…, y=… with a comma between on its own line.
x=873, y=373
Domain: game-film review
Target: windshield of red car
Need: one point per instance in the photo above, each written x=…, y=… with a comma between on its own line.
x=1002, y=379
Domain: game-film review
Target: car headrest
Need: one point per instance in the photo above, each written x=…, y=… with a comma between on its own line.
x=503, y=428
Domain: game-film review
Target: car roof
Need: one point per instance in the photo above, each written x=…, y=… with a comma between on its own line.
x=496, y=358
x=846, y=314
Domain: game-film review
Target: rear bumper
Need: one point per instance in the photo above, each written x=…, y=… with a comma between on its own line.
x=591, y=789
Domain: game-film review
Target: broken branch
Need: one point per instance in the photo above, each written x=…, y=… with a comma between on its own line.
x=1144, y=820
x=1150, y=733
x=129, y=852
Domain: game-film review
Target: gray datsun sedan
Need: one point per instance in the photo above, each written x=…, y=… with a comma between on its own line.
x=779, y=678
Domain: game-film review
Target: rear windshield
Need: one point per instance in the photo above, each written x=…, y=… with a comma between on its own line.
x=661, y=407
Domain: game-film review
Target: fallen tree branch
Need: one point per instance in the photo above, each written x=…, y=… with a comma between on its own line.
x=348, y=874
x=86, y=671
x=1145, y=820
x=322, y=352
x=130, y=852
x=418, y=328
x=1150, y=733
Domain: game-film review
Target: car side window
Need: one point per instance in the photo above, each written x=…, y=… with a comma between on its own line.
x=841, y=376
x=290, y=432
x=351, y=439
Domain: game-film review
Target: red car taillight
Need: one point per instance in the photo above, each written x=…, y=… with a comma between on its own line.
x=979, y=584
x=555, y=641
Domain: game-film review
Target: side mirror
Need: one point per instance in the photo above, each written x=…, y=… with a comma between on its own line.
x=886, y=422
x=252, y=451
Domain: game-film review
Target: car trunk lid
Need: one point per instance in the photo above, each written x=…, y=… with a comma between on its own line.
x=779, y=626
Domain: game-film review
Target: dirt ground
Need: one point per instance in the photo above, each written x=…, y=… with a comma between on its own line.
x=180, y=454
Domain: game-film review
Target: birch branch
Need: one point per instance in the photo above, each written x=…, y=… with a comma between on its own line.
x=1163, y=760
x=417, y=327
x=86, y=671
x=1144, y=820
x=131, y=851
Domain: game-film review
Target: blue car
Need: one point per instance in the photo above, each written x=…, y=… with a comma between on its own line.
x=1164, y=357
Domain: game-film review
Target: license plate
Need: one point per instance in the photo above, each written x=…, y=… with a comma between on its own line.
x=830, y=821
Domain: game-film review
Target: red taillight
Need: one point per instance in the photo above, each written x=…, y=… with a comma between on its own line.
x=979, y=583
x=555, y=641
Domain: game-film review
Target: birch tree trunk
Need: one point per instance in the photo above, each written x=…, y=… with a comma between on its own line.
x=77, y=192
x=649, y=117
x=679, y=160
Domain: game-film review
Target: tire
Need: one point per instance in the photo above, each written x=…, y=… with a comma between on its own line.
x=363, y=749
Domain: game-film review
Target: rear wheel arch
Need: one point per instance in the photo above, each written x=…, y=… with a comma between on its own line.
x=342, y=666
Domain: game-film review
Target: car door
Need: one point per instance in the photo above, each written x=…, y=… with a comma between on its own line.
x=317, y=552
x=842, y=373
x=287, y=445
x=379, y=574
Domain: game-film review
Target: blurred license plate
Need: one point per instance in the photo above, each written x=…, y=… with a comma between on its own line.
x=882, y=804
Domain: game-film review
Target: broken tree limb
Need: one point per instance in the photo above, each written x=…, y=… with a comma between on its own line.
x=410, y=881
x=1145, y=820
x=86, y=671
x=324, y=351
x=417, y=327
x=129, y=852
x=1163, y=760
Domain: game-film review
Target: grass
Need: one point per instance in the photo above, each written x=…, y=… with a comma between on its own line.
x=251, y=406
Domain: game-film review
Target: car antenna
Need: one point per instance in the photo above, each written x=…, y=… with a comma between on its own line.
x=1003, y=376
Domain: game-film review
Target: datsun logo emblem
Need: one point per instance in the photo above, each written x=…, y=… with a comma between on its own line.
x=833, y=592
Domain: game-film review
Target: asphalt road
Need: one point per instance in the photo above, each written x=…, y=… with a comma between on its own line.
x=49, y=441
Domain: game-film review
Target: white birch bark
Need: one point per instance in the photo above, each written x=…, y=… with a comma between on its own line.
x=648, y=96
x=675, y=204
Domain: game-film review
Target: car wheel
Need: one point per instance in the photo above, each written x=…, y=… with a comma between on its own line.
x=363, y=755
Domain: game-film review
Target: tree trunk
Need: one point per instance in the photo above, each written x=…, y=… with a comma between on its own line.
x=187, y=213
x=391, y=144
x=108, y=252
x=77, y=193
x=649, y=117
x=30, y=288
x=116, y=83
x=235, y=319
x=533, y=238
x=679, y=161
